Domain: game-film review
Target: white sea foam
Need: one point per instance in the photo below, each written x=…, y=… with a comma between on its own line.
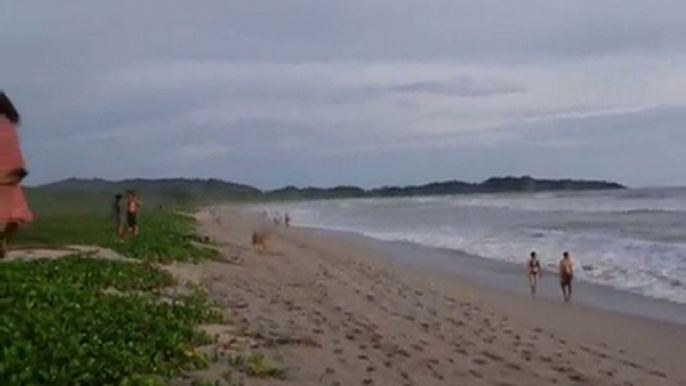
x=633, y=241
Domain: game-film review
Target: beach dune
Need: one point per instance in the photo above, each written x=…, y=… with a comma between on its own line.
x=337, y=314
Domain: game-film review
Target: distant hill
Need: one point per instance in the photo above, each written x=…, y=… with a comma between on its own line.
x=193, y=191
x=154, y=191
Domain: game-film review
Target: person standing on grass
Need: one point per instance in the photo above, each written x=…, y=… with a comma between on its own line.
x=14, y=210
x=132, y=205
x=534, y=273
x=566, y=276
x=118, y=215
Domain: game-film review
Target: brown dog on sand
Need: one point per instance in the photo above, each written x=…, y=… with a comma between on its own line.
x=259, y=240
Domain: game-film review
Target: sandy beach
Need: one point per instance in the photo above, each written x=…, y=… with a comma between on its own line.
x=336, y=313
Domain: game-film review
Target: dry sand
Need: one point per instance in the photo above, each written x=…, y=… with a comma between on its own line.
x=336, y=314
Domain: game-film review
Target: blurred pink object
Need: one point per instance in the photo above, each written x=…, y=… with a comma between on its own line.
x=13, y=205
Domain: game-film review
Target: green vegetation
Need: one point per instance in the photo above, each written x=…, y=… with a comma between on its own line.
x=62, y=325
x=81, y=321
x=258, y=365
x=165, y=236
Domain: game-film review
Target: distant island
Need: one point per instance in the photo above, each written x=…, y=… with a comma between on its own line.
x=183, y=190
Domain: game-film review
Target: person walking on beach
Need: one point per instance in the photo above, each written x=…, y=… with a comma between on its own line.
x=132, y=204
x=118, y=215
x=14, y=210
x=566, y=276
x=534, y=267
x=287, y=220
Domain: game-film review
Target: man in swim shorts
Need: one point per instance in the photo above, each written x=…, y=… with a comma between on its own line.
x=132, y=204
x=566, y=276
x=534, y=273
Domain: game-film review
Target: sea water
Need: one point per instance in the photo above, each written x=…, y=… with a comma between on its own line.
x=630, y=240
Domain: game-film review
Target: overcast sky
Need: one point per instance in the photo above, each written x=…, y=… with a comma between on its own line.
x=368, y=92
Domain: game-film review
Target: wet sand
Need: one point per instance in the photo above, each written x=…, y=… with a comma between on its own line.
x=336, y=312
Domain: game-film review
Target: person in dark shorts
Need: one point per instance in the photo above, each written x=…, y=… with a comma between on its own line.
x=534, y=267
x=118, y=214
x=566, y=276
x=132, y=204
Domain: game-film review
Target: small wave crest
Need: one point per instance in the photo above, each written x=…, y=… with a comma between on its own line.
x=638, y=253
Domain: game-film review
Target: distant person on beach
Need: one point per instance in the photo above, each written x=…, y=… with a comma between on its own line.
x=534, y=273
x=132, y=205
x=287, y=220
x=566, y=276
x=216, y=216
x=14, y=210
x=118, y=214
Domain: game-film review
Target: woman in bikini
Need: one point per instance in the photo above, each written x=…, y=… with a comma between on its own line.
x=14, y=211
x=534, y=273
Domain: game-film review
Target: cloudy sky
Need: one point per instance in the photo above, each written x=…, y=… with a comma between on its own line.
x=369, y=92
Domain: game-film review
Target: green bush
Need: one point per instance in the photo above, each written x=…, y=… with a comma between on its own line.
x=60, y=327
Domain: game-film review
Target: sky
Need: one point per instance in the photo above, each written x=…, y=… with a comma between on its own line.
x=365, y=92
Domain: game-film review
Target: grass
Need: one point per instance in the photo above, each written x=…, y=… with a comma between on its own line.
x=164, y=236
x=79, y=321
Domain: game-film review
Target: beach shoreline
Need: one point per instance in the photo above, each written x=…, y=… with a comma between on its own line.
x=354, y=316
x=511, y=277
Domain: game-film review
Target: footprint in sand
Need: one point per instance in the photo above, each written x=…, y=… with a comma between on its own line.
x=526, y=355
x=578, y=377
x=492, y=356
x=658, y=374
x=479, y=361
x=461, y=351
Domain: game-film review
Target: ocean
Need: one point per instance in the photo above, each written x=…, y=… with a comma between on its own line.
x=630, y=240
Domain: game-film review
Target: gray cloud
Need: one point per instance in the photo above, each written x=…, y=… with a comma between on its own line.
x=367, y=92
x=463, y=87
